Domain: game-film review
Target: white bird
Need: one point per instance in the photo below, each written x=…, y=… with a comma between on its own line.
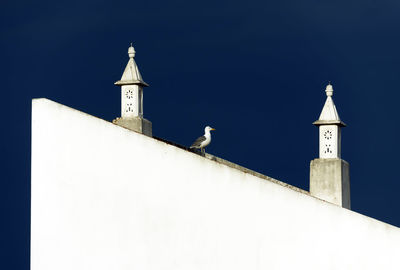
x=204, y=140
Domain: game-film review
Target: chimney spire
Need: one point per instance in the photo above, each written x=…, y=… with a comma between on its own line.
x=329, y=174
x=132, y=98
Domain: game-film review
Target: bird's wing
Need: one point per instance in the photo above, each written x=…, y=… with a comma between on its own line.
x=198, y=142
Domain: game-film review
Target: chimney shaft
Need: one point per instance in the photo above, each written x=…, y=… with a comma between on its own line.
x=132, y=86
x=329, y=174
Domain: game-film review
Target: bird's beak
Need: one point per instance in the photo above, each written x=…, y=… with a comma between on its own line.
x=212, y=128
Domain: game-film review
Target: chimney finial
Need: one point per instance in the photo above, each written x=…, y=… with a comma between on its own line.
x=131, y=51
x=329, y=90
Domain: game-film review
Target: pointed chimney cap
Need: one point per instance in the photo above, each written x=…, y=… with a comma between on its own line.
x=131, y=74
x=329, y=114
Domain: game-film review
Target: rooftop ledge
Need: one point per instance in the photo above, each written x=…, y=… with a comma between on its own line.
x=233, y=165
x=206, y=155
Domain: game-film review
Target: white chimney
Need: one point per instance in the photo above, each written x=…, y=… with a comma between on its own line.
x=132, y=98
x=329, y=174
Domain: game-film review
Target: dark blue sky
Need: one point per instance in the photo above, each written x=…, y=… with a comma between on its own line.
x=254, y=70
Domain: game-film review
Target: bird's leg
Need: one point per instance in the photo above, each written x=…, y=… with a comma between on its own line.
x=203, y=151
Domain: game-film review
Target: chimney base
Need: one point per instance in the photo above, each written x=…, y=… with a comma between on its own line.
x=137, y=124
x=330, y=180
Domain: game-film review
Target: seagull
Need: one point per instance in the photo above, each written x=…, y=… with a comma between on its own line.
x=204, y=140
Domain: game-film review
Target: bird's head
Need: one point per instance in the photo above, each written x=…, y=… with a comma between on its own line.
x=208, y=128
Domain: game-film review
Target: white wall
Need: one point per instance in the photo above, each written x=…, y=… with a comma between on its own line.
x=104, y=197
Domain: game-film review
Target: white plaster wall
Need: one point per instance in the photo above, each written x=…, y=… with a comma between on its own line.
x=107, y=198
